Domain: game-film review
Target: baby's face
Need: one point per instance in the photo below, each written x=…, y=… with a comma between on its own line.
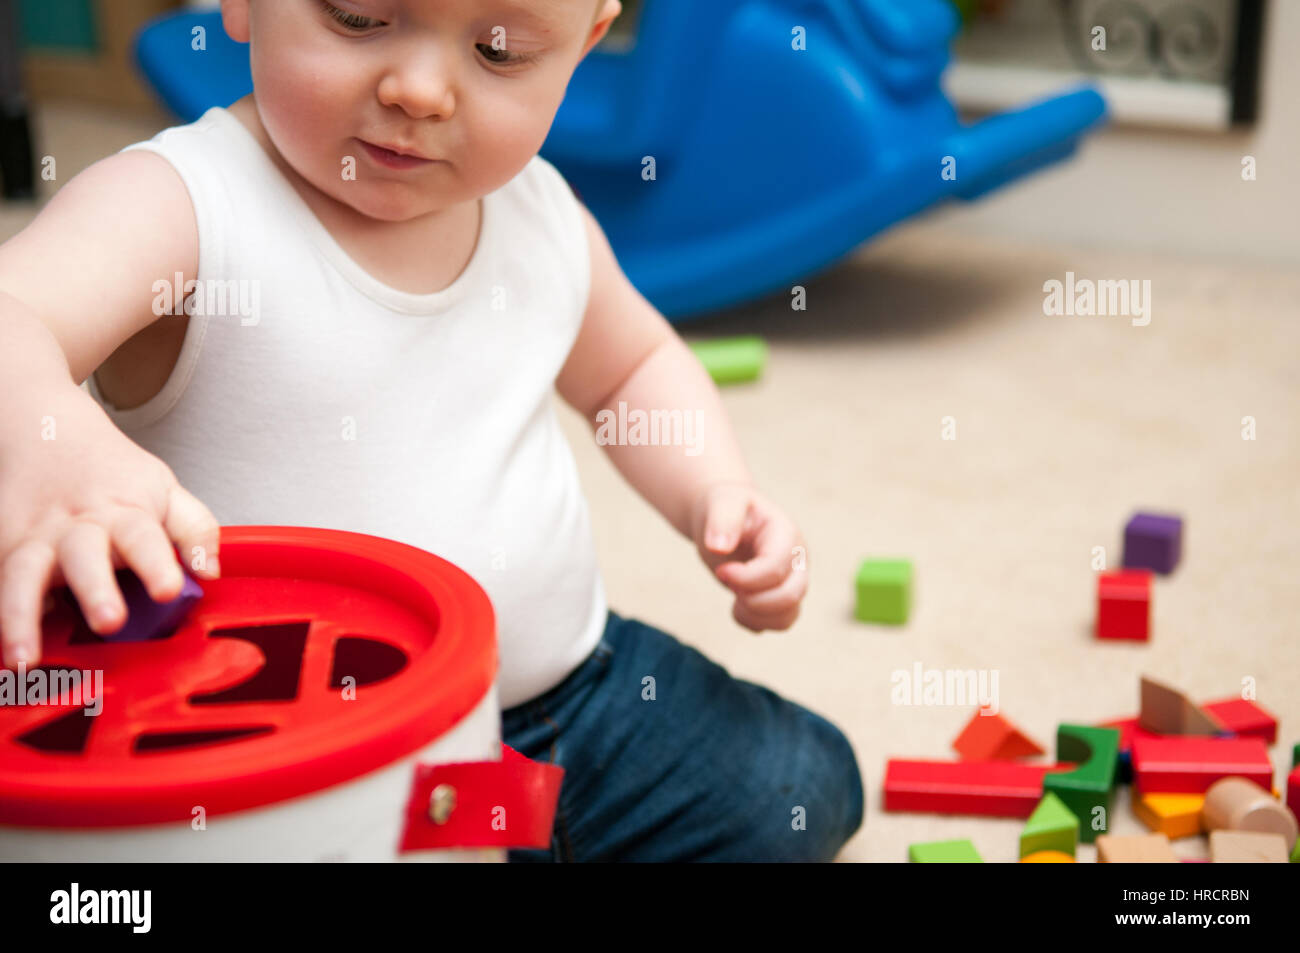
x=472, y=85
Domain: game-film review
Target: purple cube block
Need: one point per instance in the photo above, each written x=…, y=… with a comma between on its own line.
x=1154, y=542
x=146, y=619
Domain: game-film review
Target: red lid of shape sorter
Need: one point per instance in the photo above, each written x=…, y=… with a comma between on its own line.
x=247, y=703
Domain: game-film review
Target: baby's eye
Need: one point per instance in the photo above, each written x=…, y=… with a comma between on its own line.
x=350, y=20
x=501, y=57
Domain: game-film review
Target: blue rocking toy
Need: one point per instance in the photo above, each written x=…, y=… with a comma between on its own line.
x=738, y=146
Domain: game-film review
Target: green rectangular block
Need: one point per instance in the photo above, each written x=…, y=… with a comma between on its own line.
x=884, y=591
x=1295, y=757
x=732, y=360
x=1089, y=787
x=944, y=852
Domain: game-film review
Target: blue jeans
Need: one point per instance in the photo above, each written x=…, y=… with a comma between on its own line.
x=667, y=757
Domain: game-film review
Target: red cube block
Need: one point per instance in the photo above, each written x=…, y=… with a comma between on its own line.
x=1124, y=605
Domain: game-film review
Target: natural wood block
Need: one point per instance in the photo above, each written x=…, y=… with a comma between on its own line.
x=1247, y=847
x=1142, y=849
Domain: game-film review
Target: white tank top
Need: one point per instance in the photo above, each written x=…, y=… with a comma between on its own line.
x=326, y=398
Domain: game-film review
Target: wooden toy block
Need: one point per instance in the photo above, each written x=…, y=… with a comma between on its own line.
x=1167, y=711
x=1124, y=605
x=1090, y=785
x=1153, y=541
x=1295, y=854
x=1244, y=718
x=944, y=852
x=1052, y=826
x=1140, y=849
x=1241, y=805
x=1174, y=815
x=1047, y=857
x=989, y=788
x=993, y=738
x=1293, y=791
x=1189, y=765
x=1247, y=847
x=732, y=360
x=1295, y=757
x=884, y=590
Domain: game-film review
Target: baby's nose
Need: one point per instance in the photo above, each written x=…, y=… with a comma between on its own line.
x=421, y=86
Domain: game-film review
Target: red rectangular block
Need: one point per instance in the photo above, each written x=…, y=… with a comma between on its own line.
x=1293, y=791
x=992, y=788
x=1189, y=764
x=1244, y=718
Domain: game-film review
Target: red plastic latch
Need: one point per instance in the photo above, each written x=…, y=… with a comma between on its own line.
x=506, y=803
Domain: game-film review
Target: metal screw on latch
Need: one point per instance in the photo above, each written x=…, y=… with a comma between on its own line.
x=441, y=803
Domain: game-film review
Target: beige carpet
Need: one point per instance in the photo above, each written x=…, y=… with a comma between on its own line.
x=1064, y=425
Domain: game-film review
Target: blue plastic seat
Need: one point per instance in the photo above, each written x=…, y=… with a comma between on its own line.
x=770, y=163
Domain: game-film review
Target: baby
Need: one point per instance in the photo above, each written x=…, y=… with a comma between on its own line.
x=383, y=286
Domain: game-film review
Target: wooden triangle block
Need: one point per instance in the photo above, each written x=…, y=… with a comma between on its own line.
x=993, y=738
x=1167, y=711
x=1052, y=826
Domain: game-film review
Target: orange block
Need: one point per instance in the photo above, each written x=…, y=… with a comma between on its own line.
x=1174, y=815
x=1047, y=857
x=993, y=738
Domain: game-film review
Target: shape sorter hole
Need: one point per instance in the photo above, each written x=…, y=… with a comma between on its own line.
x=365, y=660
x=151, y=741
x=66, y=734
x=282, y=644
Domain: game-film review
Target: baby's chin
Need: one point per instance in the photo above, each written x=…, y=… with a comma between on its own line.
x=385, y=202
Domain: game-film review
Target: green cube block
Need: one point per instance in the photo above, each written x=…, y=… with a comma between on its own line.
x=884, y=589
x=1095, y=753
x=732, y=360
x=944, y=852
x=1052, y=826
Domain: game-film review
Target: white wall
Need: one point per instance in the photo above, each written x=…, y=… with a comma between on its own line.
x=1148, y=190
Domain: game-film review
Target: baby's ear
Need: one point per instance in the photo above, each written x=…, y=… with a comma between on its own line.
x=234, y=17
x=607, y=12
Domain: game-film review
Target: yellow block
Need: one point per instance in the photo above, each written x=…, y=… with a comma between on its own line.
x=1047, y=857
x=1174, y=815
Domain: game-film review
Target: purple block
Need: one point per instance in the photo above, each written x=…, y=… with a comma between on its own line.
x=147, y=619
x=1153, y=542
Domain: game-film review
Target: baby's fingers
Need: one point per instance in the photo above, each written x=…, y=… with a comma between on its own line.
x=195, y=531
x=87, y=560
x=776, y=602
x=23, y=579
x=144, y=547
x=759, y=621
x=770, y=566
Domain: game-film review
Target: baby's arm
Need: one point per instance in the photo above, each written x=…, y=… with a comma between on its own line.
x=76, y=496
x=627, y=352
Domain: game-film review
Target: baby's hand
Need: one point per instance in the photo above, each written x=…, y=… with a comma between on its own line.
x=756, y=551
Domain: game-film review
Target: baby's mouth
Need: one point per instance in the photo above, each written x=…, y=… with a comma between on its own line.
x=391, y=159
